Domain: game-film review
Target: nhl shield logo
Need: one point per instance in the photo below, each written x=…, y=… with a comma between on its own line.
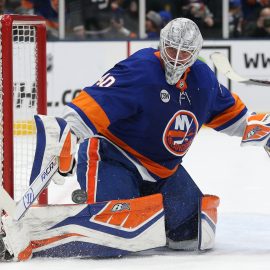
x=180, y=132
x=181, y=84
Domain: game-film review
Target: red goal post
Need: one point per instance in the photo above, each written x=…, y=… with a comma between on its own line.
x=22, y=94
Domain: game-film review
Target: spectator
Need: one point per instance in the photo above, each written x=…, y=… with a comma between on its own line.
x=3, y=8
x=52, y=20
x=251, y=11
x=262, y=27
x=46, y=8
x=153, y=24
x=166, y=17
x=235, y=18
x=12, y=4
x=25, y=7
x=95, y=19
x=131, y=16
x=199, y=12
x=119, y=28
x=156, y=5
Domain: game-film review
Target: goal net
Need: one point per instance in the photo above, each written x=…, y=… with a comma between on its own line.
x=22, y=94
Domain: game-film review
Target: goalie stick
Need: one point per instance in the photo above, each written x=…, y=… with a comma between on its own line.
x=18, y=210
x=223, y=65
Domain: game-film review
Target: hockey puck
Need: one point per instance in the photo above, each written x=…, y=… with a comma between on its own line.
x=79, y=196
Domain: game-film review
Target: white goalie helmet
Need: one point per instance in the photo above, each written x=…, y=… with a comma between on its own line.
x=180, y=44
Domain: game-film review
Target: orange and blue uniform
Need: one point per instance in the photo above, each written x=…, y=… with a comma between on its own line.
x=152, y=121
x=141, y=127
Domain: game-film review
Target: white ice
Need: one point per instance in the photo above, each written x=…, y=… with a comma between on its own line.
x=240, y=176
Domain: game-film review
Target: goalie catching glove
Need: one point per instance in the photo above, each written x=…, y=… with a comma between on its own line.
x=257, y=131
x=54, y=138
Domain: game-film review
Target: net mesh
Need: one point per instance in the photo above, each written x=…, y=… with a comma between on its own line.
x=24, y=105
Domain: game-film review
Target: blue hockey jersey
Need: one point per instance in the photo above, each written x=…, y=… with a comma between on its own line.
x=134, y=107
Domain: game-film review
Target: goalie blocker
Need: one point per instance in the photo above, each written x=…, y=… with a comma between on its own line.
x=107, y=229
x=55, y=138
x=257, y=131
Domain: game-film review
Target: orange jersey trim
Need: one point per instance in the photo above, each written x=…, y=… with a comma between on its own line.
x=157, y=54
x=92, y=110
x=228, y=114
x=150, y=165
x=101, y=122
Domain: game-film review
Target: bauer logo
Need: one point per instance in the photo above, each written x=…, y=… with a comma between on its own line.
x=253, y=132
x=120, y=207
x=165, y=96
x=48, y=170
x=28, y=198
x=180, y=132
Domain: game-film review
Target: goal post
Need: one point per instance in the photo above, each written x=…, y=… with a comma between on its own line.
x=22, y=94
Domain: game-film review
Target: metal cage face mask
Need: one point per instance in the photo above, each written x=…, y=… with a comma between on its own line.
x=180, y=44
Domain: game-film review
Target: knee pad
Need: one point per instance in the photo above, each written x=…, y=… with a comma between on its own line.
x=198, y=233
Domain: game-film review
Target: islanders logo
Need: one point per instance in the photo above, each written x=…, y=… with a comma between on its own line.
x=180, y=132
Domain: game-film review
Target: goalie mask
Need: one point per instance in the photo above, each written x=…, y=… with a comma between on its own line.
x=180, y=44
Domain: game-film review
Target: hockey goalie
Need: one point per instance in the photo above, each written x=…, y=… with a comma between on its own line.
x=133, y=127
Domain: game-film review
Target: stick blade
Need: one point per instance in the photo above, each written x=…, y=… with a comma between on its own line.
x=223, y=65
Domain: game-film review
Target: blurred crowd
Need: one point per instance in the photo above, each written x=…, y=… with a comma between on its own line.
x=117, y=19
x=249, y=18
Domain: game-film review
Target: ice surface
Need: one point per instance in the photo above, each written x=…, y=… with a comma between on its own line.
x=240, y=176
